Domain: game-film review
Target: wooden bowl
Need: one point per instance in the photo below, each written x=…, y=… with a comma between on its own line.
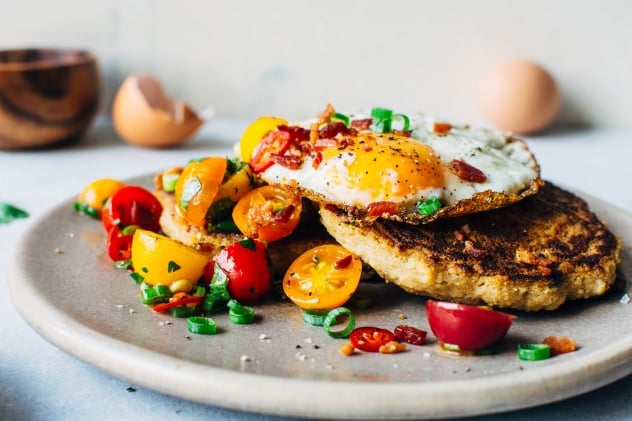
x=47, y=96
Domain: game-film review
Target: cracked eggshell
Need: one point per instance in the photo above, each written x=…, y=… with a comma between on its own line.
x=144, y=115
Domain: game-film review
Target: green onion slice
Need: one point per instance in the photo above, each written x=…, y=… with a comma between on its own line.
x=219, y=284
x=9, y=213
x=182, y=311
x=137, y=277
x=315, y=317
x=332, y=319
x=155, y=294
x=405, y=121
x=340, y=117
x=129, y=230
x=534, y=352
x=428, y=207
x=201, y=325
x=169, y=182
x=381, y=113
x=240, y=315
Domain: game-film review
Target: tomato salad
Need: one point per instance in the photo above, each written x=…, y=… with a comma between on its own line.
x=222, y=195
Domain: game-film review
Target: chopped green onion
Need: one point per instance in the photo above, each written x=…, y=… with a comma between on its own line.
x=227, y=225
x=123, y=264
x=137, y=277
x=7, y=214
x=182, y=311
x=200, y=290
x=191, y=188
x=381, y=113
x=340, y=117
x=219, y=284
x=155, y=294
x=129, y=230
x=201, y=325
x=405, y=119
x=240, y=315
x=332, y=319
x=169, y=182
x=534, y=352
x=209, y=303
x=428, y=207
x=220, y=210
x=315, y=317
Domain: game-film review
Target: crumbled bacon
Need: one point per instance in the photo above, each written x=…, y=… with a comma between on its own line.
x=284, y=214
x=362, y=124
x=325, y=143
x=331, y=130
x=441, y=128
x=380, y=208
x=459, y=235
x=560, y=345
x=467, y=172
x=404, y=133
x=317, y=159
x=297, y=133
x=292, y=162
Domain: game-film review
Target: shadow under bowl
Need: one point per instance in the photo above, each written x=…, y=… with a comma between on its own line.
x=47, y=96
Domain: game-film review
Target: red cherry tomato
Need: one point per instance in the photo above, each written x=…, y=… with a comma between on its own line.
x=246, y=264
x=132, y=205
x=468, y=327
x=369, y=338
x=119, y=245
x=276, y=143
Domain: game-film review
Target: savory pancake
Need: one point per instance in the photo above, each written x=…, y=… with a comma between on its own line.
x=533, y=255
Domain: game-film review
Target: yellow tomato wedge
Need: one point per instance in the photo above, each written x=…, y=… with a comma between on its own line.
x=255, y=132
x=161, y=260
x=97, y=192
x=197, y=187
x=323, y=277
x=236, y=186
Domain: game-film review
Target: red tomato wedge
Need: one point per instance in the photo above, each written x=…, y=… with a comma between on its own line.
x=132, y=205
x=471, y=328
x=369, y=338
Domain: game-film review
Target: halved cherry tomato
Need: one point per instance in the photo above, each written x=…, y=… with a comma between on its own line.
x=268, y=213
x=322, y=278
x=161, y=260
x=247, y=266
x=197, y=187
x=276, y=143
x=119, y=245
x=132, y=205
x=256, y=131
x=94, y=195
x=369, y=338
x=470, y=328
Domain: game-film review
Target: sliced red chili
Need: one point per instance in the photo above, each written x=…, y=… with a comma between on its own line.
x=467, y=172
x=381, y=208
x=119, y=245
x=410, y=335
x=369, y=338
x=275, y=143
x=187, y=300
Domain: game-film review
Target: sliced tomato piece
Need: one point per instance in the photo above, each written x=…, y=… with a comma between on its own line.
x=119, y=245
x=369, y=338
x=247, y=266
x=471, y=328
x=197, y=187
x=95, y=194
x=317, y=281
x=268, y=213
x=132, y=205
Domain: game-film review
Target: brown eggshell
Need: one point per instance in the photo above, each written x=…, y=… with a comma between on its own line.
x=519, y=96
x=144, y=115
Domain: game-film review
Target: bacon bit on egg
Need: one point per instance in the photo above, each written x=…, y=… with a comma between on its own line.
x=441, y=128
x=403, y=133
x=392, y=347
x=560, y=345
x=459, y=235
x=344, y=262
x=318, y=158
x=467, y=172
x=376, y=209
x=362, y=124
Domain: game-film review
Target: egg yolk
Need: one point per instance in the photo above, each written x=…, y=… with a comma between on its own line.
x=386, y=166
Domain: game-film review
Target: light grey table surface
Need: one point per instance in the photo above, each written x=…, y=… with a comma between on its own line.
x=40, y=382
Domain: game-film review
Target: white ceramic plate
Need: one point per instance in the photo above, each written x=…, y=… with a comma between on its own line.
x=64, y=285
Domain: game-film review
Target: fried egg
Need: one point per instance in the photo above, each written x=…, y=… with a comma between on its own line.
x=372, y=174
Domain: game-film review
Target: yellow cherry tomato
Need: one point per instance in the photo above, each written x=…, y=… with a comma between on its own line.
x=97, y=192
x=161, y=260
x=323, y=277
x=256, y=131
x=197, y=187
x=236, y=186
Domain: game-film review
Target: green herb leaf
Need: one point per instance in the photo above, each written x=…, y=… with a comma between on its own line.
x=172, y=266
x=248, y=243
x=9, y=213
